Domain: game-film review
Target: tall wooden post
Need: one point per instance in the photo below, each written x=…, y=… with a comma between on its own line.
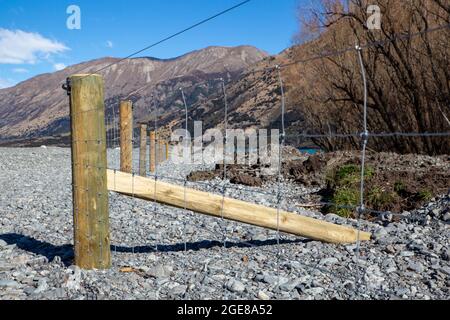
x=160, y=150
x=143, y=151
x=167, y=150
x=152, y=151
x=90, y=194
x=126, y=136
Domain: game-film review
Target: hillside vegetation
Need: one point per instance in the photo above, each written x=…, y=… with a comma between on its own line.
x=408, y=78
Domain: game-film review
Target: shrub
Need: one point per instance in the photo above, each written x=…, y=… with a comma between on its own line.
x=342, y=198
x=380, y=199
x=425, y=195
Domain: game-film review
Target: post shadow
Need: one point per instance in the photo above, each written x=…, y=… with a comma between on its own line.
x=65, y=252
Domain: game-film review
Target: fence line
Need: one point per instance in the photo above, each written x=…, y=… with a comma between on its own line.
x=364, y=136
x=322, y=56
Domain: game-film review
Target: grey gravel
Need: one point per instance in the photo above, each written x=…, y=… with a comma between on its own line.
x=416, y=266
x=160, y=271
x=9, y=284
x=407, y=259
x=446, y=217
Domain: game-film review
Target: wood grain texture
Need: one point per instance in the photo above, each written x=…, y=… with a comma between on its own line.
x=236, y=210
x=161, y=152
x=126, y=136
x=152, y=156
x=90, y=194
x=166, y=144
x=143, y=150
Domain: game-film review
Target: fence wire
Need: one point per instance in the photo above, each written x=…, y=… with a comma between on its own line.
x=220, y=187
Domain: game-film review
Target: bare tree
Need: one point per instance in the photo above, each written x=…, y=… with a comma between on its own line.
x=408, y=77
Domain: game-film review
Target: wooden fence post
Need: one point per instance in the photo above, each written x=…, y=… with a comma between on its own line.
x=90, y=194
x=126, y=136
x=143, y=151
x=152, y=151
x=167, y=150
x=160, y=150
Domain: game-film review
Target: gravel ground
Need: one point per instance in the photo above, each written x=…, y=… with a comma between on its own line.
x=408, y=259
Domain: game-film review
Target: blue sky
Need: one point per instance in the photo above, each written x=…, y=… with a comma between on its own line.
x=34, y=37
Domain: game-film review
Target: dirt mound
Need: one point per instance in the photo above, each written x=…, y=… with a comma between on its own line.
x=392, y=182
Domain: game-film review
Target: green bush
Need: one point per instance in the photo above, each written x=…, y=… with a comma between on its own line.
x=349, y=175
x=345, y=197
x=379, y=199
x=399, y=187
x=425, y=195
x=344, y=184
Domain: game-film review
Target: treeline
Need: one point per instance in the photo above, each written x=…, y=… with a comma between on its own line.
x=408, y=77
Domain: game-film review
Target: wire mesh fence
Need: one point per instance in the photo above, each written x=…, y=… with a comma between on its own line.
x=140, y=227
x=193, y=232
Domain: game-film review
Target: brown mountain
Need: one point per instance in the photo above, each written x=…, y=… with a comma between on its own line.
x=254, y=101
x=38, y=107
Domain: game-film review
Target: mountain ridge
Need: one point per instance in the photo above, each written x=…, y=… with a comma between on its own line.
x=38, y=106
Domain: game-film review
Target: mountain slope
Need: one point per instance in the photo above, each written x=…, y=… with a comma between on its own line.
x=254, y=100
x=39, y=107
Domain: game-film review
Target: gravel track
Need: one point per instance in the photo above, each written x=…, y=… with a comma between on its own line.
x=408, y=259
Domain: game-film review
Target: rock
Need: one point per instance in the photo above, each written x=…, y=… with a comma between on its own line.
x=435, y=213
x=380, y=233
x=42, y=286
x=263, y=296
x=407, y=254
x=22, y=259
x=314, y=291
x=179, y=290
x=160, y=271
x=446, y=270
x=274, y=280
x=390, y=249
x=235, y=286
x=401, y=292
x=331, y=217
x=446, y=217
x=57, y=260
x=290, y=285
x=6, y=267
x=59, y=292
x=387, y=217
x=351, y=248
x=374, y=277
x=416, y=266
x=73, y=279
x=29, y=290
x=39, y=261
x=349, y=285
x=9, y=284
x=328, y=261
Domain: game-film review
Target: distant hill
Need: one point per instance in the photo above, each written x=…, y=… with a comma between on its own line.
x=37, y=109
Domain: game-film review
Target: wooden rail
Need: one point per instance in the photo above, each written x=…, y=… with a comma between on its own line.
x=236, y=210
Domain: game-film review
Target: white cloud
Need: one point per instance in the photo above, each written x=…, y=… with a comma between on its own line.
x=59, y=66
x=20, y=70
x=21, y=47
x=6, y=83
x=109, y=44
